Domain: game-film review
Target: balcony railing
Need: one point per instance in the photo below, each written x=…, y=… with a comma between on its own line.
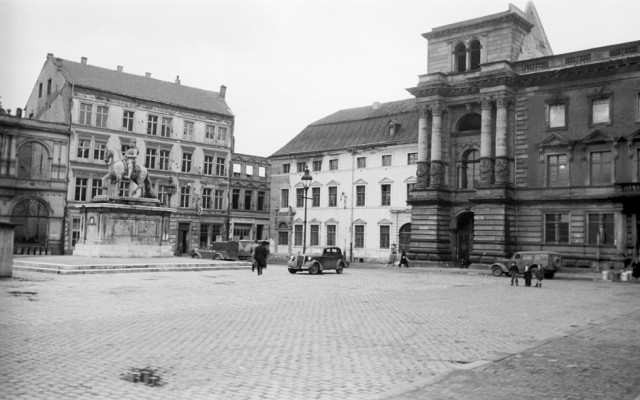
x=628, y=188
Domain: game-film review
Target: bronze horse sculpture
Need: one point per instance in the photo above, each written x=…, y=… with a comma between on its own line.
x=140, y=183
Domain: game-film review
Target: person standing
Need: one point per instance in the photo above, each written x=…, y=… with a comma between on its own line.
x=635, y=265
x=254, y=246
x=513, y=270
x=539, y=275
x=403, y=259
x=527, y=275
x=261, y=254
x=392, y=256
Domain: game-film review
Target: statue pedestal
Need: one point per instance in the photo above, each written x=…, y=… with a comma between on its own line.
x=126, y=228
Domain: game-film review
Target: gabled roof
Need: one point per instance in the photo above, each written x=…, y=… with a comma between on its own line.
x=362, y=126
x=141, y=87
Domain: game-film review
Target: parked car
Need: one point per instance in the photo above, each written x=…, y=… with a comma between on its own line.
x=331, y=258
x=231, y=250
x=551, y=261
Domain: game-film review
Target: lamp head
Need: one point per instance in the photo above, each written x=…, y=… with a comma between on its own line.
x=306, y=178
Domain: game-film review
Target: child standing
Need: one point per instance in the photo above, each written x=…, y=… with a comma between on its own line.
x=539, y=276
x=513, y=270
x=527, y=275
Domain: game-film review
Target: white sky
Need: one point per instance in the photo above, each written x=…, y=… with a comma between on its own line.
x=286, y=63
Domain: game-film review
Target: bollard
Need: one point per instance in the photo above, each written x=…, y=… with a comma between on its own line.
x=606, y=276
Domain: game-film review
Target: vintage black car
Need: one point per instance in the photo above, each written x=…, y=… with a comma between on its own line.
x=331, y=258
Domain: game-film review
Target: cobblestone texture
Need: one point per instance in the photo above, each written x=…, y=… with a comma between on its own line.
x=377, y=333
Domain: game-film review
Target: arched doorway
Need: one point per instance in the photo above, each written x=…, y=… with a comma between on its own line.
x=32, y=218
x=463, y=235
x=404, y=237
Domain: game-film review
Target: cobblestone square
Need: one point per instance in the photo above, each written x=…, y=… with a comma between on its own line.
x=370, y=333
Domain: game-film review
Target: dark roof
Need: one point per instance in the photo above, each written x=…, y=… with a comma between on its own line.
x=141, y=87
x=363, y=126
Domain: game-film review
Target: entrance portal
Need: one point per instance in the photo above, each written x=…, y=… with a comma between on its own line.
x=463, y=235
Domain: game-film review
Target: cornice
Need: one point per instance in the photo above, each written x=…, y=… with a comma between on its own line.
x=456, y=29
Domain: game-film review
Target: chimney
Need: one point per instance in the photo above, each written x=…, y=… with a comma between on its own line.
x=177, y=79
x=376, y=105
x=19, y=112
x=49, y=55
x=119, y=68
x=83, y=60
x=147, y=74
x=223, y=91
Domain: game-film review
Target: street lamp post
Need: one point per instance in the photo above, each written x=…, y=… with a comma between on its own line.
x=306, y=182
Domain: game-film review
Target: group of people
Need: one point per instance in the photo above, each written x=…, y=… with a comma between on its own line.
x=528, y=275
x=404, y=261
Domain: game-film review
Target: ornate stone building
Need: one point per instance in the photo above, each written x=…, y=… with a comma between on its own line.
x=184, y=136
x=520, y=149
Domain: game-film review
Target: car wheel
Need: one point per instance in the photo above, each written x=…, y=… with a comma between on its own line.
x=217, y=257
x=292, y=271
x=549, y=275
x=314, y=269
x=496, y=270
x=339, y=268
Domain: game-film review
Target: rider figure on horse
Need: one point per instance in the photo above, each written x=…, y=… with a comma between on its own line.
x=131, y=155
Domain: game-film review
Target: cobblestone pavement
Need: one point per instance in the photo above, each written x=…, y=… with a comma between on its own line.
x=379, y=333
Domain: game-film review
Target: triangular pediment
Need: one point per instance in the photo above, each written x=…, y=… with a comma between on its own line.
x=298, y=221
x=385, y=222
x=385, y=181
x=331, y=221
x=553, y=140
x=411, y=179
x=299, y=185
x=360, y=182
x=598, y=136
x=333, y=183
x=315, y=221
x=359, y=222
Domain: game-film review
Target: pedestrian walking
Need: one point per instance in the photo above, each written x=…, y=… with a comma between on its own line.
x=261, y=254
x=403, y=259
x=539, y=275
x=635, y=264
x=392, y=256
x=527, y=275
x=513, y=270
x=254, y=246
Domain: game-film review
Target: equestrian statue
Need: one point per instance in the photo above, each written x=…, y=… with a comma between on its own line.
x=128, y=170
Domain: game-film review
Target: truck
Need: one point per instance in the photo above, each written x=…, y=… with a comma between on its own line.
x=229, y=250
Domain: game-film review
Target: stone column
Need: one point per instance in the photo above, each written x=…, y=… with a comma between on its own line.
x=502, y=157
x=423, y=148
x=486, y=143
x=435, y=171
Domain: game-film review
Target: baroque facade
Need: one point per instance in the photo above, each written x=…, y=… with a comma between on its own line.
x=184, y=136
x=363, y=163
x=520, y=149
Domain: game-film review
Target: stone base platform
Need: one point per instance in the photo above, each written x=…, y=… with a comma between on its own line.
x=67, y=265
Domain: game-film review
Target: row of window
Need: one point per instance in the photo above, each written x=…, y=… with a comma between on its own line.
x=331, y=236
x=600, y=168
x=248, y=170
x=600, y=229
x=157, y=125
x=600, y=111
x=361, y=162
x=332, y=196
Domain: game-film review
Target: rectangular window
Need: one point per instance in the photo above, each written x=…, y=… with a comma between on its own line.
x=261, y=196
x=314, y=235
x=601, y=111
x=96, y=188
x=102, y=115
x=188, y=130
x=40, y=90
x=49, y=86
x=333, y=164
x=235, y=199
x=284, y=198
x=185, y=193
x=410, y=187
x=123, y=188
x=358, y=237
x=317, y=165
x=83, y=148
x=218, y=199
x=186, y=162
x=248, y=197
x=99, y=151
x=237, y=169
x=600, y=165
x=207, y=198
x=262, y=172
x=331, y=235
x=208, y=165
x=315, y=197
x=209, y=132
x=333, y=196
x=150, y=158
x=220, y=166
x=600, y=229
x=164, y=194
x=248, y=170
x=556, y=228
x=360, y=196
x=86, y=111
x=362, y=162
x=152, y=124
x=385, y=236
x=286, y=168
x=81, y=189
x=556, y=116
x=412, y=158
x=75, y=231
x=301, y=166
x=386, y=160
x=166, y=127
x=283, y=238
x=297, y=235
x=299, y=198
x=557, y=171
x=222, y=134
x=127, y=121
x=386, y=195
x=163, y=160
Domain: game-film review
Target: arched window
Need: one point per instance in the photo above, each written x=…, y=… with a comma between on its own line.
x=474, y=49
x=404, y=241
x=469, y=172
x=470, y=122
x=32, y=218
x=461, y=57
x=33, y=162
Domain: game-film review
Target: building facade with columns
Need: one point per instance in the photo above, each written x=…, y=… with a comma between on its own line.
x=520, y=149
x=184, y=138
x=362, y=162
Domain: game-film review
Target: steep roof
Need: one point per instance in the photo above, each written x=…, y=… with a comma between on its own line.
x=355, y=127
x=141, y=87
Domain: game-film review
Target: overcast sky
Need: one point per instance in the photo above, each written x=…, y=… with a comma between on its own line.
x=286, y=63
